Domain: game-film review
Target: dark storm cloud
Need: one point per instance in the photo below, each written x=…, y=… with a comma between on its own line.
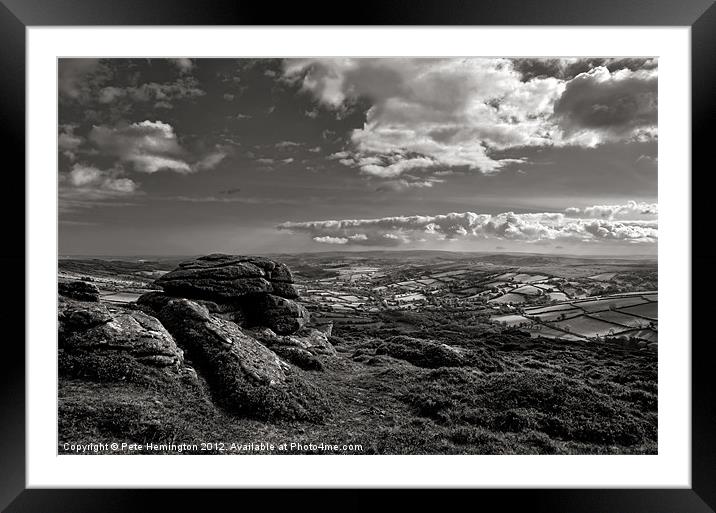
x=616, y=103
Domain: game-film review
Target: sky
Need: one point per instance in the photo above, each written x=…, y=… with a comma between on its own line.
x=250, y=156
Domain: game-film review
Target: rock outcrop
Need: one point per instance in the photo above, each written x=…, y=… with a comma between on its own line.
x=93, y=340
x=250, y=291
x=228, y=278
x=229, y=355
x=74, y=316
x=78, y=290
x=302, y=349
x=233, y=318
x=283, y=316
x=244, y=375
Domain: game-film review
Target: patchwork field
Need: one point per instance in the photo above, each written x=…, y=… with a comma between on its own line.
x=451, y=353
x=602, y=317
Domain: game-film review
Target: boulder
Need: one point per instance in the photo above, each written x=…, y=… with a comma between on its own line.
x=249, y=291
x=231, y=355
x=244, y=376
x=74, y=316
x=287, y=290
x=227, y=278
x=280, y=314
x=213, y=289
x=302, y=348
x=312, y=340
x=422, y=353
x=78, y=290
x=235, y=313
x=129, y=333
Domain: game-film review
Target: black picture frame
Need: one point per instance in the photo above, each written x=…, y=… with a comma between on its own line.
x=17, y=15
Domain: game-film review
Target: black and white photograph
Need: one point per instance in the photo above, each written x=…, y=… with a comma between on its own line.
x=360, y=256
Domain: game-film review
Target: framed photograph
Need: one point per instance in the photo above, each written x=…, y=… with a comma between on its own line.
x=425, y=249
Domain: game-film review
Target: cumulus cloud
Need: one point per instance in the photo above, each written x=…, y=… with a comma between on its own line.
x=331, y=240
x=632, y=210
x=608, y=105
x=68, y=142
x=566, y=68
x=523, y=227
x=149, y=146
x=442, y=111
x=427, y=113
x=96, y=181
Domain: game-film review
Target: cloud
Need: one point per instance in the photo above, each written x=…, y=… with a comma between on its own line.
x=331, y=240
x=459, y=112
x=631, y=210
x=210, y=161
x=148, y=147
x=524, y=227
x=183, y=65
x=269, y=161
x=77, y=77
x=97, y=182
x=566, y=68
x=398, y=165
x=163, y=94
x=224, y=197
x=287, y=144
x=85, y=81
x=408, y=182
x=443, y=111
x=68, y=142
x=611, y=105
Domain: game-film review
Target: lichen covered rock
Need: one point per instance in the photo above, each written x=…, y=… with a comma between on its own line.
x=303, y=348
x=223, y=278
x=250, y=291
x=245, y=377
x=88, y=328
